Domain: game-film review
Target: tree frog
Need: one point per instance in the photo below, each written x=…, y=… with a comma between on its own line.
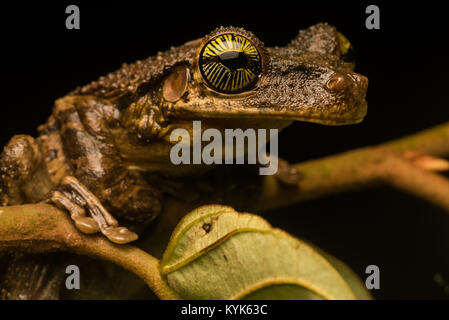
x=93, y=155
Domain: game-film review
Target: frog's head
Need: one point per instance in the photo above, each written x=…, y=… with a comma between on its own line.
x=232, y=75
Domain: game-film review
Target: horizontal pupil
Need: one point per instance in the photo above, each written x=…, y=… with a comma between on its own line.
x=234, y=60
x=229, y=64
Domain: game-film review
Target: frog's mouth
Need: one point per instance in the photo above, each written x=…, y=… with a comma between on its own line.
x=335, y=115
x=349, y=118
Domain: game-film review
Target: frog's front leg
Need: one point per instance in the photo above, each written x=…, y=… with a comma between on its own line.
x=102, y=220
x=99, y=177
x=77, y=213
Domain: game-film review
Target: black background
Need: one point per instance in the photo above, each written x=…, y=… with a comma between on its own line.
x=405, y=61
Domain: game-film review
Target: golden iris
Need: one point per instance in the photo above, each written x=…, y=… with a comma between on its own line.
x=230, y=63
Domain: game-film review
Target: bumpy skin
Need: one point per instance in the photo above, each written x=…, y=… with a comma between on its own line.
x=92, y=155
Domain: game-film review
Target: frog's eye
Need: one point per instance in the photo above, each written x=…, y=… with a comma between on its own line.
x=230, y=63
x=345, y=48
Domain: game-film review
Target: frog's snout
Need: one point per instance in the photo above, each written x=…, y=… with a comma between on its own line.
x=354, y=83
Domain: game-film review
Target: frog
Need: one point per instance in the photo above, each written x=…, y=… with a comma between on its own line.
x=103, y=155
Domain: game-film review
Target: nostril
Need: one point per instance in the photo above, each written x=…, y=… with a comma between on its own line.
x=336, y=83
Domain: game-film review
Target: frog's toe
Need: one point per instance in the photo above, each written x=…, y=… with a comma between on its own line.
x=287, y=173
x=86, y=225
x=120, y=235
x=100, y=220
x=77, y=213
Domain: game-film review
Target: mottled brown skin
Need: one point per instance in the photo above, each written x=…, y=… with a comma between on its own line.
x=93, y=154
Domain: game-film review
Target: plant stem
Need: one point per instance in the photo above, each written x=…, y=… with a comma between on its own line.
x=363, y=167
x=43, y=228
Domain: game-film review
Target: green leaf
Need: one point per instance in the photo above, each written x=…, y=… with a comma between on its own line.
x=218, y=253
x=357, y=286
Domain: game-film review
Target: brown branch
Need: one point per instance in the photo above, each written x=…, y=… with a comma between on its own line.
x=424, y=184
x=433, y=141
x=366, y=167
x=44, y=228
